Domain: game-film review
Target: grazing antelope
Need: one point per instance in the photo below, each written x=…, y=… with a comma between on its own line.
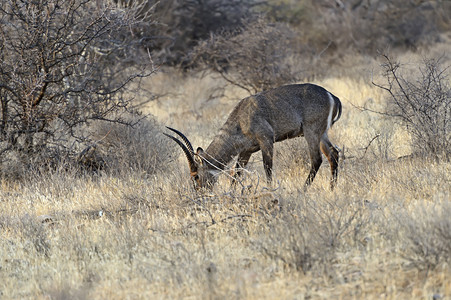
x=258, y=121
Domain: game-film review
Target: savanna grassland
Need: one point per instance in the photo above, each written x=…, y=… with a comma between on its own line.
x=121, y=220
x=384, y=232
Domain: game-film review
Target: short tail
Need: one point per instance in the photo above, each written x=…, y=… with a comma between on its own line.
x=338, y=110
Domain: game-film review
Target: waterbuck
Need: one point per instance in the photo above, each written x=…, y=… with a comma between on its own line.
x=258, y=121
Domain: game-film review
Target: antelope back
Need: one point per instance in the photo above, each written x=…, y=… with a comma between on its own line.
x=287, y=110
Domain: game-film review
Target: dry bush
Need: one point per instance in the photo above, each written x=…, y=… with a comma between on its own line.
x=182, y=24
x=363, y=26
x=63, y=64
x=325, y=30
x=422, y=103
x=329, y=34
x=398, y=24
x=255, y=57
x=138, y=148
x=309, y=233
x=427, y=232
x=132, y=144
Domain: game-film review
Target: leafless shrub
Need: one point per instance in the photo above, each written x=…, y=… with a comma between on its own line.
x=422, y=104
x=140, y=147
x=255, y=58
x=63, y=64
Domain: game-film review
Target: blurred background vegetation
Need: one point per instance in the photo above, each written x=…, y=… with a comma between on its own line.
x=329, y=28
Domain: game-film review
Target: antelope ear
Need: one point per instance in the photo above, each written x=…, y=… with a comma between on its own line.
x=199, y=151
x=199, y=155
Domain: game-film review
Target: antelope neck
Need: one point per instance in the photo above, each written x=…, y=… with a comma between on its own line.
x=221, y=151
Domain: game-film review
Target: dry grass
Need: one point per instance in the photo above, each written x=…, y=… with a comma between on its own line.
x=383, y=233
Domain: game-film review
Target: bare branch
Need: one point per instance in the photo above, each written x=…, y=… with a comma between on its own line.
x=62, y=65
x=422, y=103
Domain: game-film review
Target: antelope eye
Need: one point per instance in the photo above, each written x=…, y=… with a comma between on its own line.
x=196, y=177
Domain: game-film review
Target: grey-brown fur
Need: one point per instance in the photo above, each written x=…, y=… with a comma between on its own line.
x=260, y=120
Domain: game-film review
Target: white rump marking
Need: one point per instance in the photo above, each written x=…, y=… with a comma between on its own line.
x=331, y=110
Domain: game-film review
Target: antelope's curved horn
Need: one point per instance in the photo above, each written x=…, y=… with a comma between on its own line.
x=192, y=164
x=184, y=138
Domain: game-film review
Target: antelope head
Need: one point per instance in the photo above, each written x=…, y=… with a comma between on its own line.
x=203, y=172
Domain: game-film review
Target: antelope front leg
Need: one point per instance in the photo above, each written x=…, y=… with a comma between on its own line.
x=243, y=159
x=267, y=153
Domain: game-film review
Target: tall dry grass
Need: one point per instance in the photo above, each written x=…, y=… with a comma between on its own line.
x=382, y=233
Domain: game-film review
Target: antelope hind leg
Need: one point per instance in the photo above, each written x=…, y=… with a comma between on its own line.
x=315, y=156
x=332, y=156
